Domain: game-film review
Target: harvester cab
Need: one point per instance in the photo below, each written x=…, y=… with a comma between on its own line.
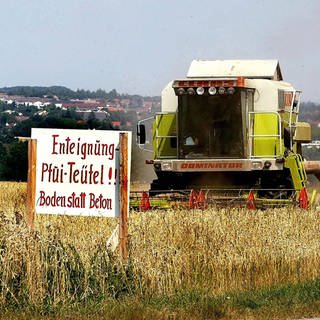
x=230, y=124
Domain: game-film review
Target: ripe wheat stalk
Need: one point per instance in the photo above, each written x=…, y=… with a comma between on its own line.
x=215, y=250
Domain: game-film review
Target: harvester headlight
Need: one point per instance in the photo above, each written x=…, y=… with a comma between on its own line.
x=191, y=91
x=212, y=91
x=222, y=90
x=231, y=90
x=180, y=91
x=257, y=165
x=166, y=166
x=200, y=91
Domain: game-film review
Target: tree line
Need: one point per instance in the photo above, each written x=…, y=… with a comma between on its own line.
x=63, y=93
x=59, y=92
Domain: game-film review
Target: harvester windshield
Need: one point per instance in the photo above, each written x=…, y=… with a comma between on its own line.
x=213, y=125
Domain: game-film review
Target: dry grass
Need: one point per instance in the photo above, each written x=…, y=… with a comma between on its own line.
x=214, y=251
x=223, y=250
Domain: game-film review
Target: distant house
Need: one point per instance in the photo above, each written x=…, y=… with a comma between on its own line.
x=21, y=118
x=116, y=102
x=112, y=104
x=37, y=104
x=9, y=111
x=42, y=113
x=147, y=104
x=82, y=105
x=125, y=103
x=115, y=109
x=87, y=114
x=116, y=124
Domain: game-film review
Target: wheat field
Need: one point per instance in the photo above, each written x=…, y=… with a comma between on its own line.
x=216, y=251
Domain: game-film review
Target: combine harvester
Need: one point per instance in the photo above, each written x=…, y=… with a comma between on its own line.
x=229, y=133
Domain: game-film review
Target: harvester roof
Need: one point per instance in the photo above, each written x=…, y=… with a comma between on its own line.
x=252, y=69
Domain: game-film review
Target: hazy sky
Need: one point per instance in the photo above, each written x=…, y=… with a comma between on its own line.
x=137, y=46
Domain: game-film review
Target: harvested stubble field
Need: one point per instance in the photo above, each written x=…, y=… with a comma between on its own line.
x=216, y=251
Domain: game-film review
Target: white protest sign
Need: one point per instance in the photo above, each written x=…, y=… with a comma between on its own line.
x=77, y=172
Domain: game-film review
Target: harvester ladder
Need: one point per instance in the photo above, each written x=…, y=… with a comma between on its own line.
x=294, y=163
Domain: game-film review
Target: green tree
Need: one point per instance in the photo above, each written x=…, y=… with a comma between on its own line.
x=113, y=94
x=3, y=157
x=14, y=166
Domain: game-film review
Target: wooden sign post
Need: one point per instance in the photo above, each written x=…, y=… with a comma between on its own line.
x=123, y=216
x=31, y=187
x=77, y=172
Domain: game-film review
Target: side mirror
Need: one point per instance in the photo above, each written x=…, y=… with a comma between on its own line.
x=141, y=134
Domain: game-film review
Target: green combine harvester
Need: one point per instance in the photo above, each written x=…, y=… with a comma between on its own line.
x=229, y=129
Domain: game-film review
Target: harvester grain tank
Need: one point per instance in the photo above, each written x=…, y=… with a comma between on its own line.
x=230, y=124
